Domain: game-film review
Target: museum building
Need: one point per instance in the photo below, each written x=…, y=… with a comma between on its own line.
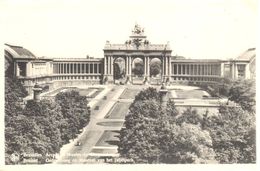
x=53, y=73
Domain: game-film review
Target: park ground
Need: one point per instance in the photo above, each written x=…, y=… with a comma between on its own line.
x=109, y=105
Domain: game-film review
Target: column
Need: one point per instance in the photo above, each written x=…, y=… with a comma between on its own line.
x=80, y=68
x=148, y=66
x=162, y=66
x=112, y=66
x=170, y=66
x=130, y=65
x=177, y=68
x=105, y=65
x=108, y=65
x=166, y=66
x=222, y=69
x=97, y=68
x=144, y=65
x=126, y=65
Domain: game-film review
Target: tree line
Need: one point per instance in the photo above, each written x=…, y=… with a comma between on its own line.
x=153, y=134
x=41, y=127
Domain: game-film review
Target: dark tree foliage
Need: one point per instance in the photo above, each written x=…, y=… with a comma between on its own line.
x=14, y=94
x=151, y=134
x=189, y=116
x=25, y=136
x=35, y=129
x=75, y=112
x=41, y=127
x=147, y=94
x=243, y=92
x=137, y=141
x=233, y=135
x=48, y=117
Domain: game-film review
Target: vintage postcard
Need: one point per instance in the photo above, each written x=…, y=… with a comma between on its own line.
x=129, y=83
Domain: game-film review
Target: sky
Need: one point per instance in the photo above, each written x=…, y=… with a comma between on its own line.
x=204, y=29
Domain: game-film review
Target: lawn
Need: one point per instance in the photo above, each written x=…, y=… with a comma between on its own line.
x=118, y=111
x=190, y=94
x=84, y=92
x=109, y=138
x=115, y=123
x=129, y=93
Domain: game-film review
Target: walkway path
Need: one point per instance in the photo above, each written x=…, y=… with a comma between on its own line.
x=92, y=133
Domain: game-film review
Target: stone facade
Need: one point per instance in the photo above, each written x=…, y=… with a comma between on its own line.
x=54, y=73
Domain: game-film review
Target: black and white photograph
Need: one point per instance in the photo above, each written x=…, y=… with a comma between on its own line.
x=163, y=82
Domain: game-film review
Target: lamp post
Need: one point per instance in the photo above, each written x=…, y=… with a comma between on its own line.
x=163, y=94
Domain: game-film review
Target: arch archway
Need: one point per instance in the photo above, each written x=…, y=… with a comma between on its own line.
x=119, y=68
x=155, y=71
x=137, y=67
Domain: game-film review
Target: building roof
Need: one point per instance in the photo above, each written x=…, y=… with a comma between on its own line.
x=197, y=60
x=19, y=52
x=247, y=55
x=77, y=59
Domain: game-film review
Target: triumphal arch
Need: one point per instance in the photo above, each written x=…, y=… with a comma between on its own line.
x=137, y=47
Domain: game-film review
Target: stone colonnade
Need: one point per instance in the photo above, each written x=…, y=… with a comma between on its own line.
x=77, y=68
x=200, y=69
x=109, y=66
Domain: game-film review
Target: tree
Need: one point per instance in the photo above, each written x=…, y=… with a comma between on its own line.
x=14, y=93
x=189, y=116
x=75, y=111
x=186, y=144
x=35, y=130
x=243, y=93
x=147, y=94
x=233, y=135
x=139, y=139
x=151, y=134
x=47, y=115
